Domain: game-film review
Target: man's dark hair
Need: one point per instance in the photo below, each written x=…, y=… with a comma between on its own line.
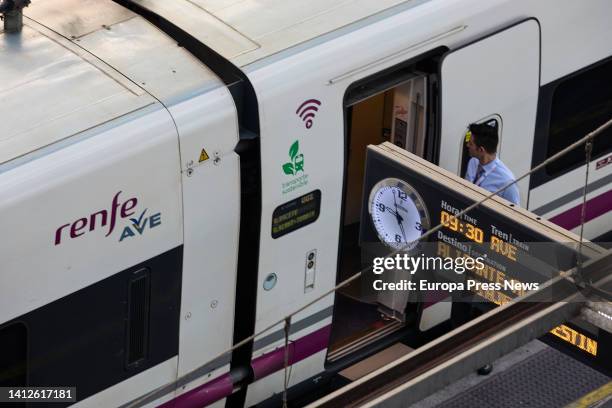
x=485, y=136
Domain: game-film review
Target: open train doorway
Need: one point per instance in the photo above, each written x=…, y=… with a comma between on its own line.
x=398, y=105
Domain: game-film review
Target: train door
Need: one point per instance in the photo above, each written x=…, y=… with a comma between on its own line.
x=397, y=105
x=495, y=79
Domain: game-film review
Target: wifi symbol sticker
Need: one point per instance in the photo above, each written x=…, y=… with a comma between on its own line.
x=307, y=111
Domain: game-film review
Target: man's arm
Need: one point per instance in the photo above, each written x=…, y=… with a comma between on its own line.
x=471, y=170
x=512, y=194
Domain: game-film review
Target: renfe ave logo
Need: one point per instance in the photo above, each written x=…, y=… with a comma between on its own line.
x=109, y=218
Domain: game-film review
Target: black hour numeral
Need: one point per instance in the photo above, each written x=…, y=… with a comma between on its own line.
x=398, y=238
x=381, y=207
x=402, y=195
x=418, y=226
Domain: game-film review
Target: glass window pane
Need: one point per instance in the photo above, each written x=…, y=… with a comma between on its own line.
x=580, y=105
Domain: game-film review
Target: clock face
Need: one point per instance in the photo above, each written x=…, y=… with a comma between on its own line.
x=398, y=213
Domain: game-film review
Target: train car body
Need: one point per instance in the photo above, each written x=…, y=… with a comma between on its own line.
x=148, y=150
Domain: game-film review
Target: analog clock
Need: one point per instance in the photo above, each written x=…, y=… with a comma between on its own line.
x=398, y=213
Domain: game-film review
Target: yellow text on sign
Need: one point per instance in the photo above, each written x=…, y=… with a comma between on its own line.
x=577, y=339
x=491, y=274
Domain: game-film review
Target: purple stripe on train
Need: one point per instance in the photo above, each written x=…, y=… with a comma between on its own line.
x=594, y=208
x=262, y=366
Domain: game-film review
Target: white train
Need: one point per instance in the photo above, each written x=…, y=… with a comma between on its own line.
x=147, y=148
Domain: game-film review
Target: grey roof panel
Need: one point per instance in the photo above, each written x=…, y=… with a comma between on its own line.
x=245, y=31
x=76, y=18
x=49, y=91
x=81, y=63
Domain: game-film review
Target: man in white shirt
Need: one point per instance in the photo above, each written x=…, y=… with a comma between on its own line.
x=484, y=168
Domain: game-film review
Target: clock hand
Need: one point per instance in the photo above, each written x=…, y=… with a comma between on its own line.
x=402, y=229
x=391, y=211
x=399, y=218
x=395, y=203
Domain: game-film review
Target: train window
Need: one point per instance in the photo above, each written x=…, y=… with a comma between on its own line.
x=580, y=104
x=13, y=355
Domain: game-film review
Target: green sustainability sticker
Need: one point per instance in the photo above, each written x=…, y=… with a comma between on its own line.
x=297, y=160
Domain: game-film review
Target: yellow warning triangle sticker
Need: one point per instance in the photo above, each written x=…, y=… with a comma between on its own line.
x=203, y=156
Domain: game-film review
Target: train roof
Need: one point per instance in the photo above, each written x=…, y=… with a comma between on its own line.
x=78, y=64
x=81, y=63
x=246, y=31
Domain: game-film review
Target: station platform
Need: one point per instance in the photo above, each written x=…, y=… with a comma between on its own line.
x=535, y=376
